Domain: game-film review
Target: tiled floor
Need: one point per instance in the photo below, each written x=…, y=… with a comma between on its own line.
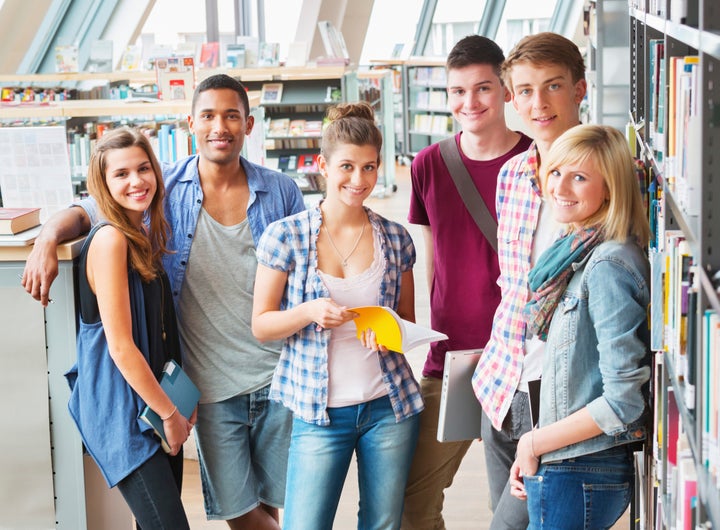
x=467, y=500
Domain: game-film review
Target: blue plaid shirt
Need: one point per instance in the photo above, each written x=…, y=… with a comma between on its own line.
x=300, y=381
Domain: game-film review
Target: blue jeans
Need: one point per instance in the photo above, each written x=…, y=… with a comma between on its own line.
x=320, y=458
x=509, y=513
x=152, y=492
x=242, y=448
x=587, y=492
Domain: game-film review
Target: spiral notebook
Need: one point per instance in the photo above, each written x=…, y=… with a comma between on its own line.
x=460, y=411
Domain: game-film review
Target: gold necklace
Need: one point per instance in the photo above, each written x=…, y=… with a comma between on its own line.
x=344, y=260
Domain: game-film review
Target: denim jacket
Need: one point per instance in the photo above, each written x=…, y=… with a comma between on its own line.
x=598, y=352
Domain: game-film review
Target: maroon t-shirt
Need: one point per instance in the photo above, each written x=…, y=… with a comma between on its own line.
x=464, y=292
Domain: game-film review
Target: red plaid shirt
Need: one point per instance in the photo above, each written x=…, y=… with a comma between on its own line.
x=518, y=202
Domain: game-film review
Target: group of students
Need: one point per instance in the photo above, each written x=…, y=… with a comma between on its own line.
x=265, y=322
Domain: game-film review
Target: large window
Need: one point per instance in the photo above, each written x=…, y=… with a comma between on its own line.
x=392, y=22
x=523, y=18
x=453, y=20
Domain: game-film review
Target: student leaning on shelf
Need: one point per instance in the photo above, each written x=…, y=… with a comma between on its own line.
x=218, y=204
x=590, y=292
x=348, y=396
x=127, y=333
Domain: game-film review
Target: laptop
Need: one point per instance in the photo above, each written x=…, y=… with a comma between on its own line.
x=460, y=411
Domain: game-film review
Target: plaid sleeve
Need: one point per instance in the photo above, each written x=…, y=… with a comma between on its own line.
x=408, y=251
x=273, y=249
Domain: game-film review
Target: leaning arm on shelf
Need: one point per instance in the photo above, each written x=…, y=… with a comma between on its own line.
x=41, y=267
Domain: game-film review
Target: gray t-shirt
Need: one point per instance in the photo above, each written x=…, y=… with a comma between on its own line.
x=221, y=355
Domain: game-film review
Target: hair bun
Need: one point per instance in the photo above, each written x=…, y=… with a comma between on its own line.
x=359, y=109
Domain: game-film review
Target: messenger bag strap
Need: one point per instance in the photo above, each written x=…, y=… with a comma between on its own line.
x=469, y=193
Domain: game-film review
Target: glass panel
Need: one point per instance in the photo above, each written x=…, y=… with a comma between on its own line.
x=453, y=20
x=523, y=18
x=392, y=23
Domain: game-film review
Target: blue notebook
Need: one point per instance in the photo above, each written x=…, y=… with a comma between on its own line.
x=181, y=390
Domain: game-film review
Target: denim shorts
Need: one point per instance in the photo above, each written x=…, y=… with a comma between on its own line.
x=242, y=447
x=587, y=492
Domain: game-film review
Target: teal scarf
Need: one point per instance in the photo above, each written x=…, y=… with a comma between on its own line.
x=550, y=276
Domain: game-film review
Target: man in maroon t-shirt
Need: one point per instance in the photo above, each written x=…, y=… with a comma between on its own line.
x=461, y=264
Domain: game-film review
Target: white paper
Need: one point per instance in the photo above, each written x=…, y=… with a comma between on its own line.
x=35, y=169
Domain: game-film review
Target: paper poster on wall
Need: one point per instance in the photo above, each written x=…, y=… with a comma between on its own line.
x=35, y=168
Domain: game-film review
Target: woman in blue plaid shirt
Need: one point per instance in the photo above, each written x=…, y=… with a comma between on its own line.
x=348, y=396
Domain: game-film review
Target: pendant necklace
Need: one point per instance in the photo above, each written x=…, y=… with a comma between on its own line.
x=344, y=260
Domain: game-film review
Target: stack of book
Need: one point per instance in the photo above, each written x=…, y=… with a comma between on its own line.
x=16, y=220
x=19, y=226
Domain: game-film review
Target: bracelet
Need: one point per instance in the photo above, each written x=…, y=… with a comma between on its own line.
x=169, y=415
x=532, y=445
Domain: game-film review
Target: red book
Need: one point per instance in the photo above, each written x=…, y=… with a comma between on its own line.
x=15, y=220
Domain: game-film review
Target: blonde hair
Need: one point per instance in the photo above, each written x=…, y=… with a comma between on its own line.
x=351, y=123
x=144, y=251
x=623, y=214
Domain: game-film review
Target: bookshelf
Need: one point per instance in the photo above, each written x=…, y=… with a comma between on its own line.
x=376, y=87
x=397, y=67
x=675, y=97
x=608, y=62
x=84, y=119
x=427, y=118
x=293, y=125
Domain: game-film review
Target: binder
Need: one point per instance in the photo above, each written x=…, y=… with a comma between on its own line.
x=460, y=410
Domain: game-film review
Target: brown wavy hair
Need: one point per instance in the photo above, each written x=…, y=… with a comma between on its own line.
x=351, y=123
x=145, y=250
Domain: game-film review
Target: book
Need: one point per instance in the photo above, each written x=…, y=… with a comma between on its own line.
x=308, y=164
x=21, y=239
x=175, y=77
x=297, y=54
x=252, y=47
x=279, y=127
x=269, y=54
x=313, y=127
x=183, y=393
x=271, y=93
x=460, y=411
x=333, y=41
x=66, y=59
x=235, y=55
x=16, y=220
x=101, y=56
x=210, y=55
x=392, y=331
x=131, y=58
x=297, y=127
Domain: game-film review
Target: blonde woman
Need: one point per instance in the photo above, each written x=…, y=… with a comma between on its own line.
x=590, y=297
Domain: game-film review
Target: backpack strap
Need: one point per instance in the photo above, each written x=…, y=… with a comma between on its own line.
x=469, y=193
